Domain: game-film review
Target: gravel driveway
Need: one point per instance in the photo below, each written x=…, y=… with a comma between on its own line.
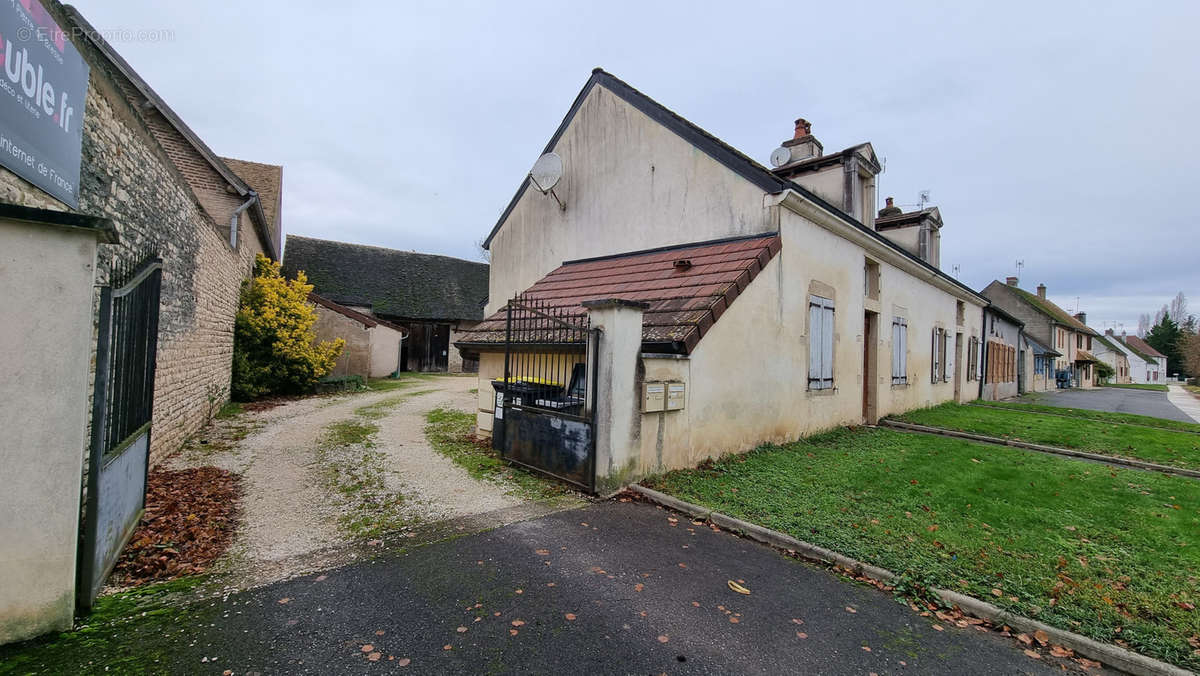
x=290, y=521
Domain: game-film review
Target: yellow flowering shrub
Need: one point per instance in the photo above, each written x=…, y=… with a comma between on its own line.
x=274, y=346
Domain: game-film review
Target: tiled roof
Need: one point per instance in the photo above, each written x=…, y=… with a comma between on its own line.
x=267, y=181
x=684, y=301
x=366, y=320
x=394, y=284
x=1084, y=355
x=1039, y=349
x=1051, y=310
x=1143, y=349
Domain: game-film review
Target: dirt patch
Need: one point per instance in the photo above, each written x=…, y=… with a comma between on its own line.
x=189, y=522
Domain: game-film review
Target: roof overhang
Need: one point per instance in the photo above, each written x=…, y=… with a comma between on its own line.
x=874, y=243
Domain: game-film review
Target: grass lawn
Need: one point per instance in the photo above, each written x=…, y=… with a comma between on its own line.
x=1111, y=554
x=1166, y=447
x=1103, y=416
x=450, y=433
x=1137, y=386
x=406, y=379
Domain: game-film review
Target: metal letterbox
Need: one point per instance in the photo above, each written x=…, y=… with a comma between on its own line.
x=654, y=397
x=676, y=396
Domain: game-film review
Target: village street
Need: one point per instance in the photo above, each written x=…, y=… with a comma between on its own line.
x=616, y=587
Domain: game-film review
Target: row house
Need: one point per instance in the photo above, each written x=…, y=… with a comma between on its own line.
x=1052, y=326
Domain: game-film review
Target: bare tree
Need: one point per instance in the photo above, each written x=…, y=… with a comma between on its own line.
x=1179, y=308
x=482, y=251
x=1189, y=347
x=1144, y=324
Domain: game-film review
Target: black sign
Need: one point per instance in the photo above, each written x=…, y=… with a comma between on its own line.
x=43, y=85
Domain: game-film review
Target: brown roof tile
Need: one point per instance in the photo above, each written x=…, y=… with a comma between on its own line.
x=267, y=181
x=683, y=303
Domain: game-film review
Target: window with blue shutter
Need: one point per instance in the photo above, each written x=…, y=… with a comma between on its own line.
x=820, y=343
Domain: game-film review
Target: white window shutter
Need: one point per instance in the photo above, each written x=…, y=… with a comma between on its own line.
x=933, y=361
x=827, y=346
x=814, y=341
x=950, y=357
x=904, y=350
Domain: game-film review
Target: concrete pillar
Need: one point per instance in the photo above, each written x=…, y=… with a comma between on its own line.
x=618, y=416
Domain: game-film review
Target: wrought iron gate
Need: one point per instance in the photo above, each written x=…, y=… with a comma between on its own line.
x=545, y=405
x=122, y=408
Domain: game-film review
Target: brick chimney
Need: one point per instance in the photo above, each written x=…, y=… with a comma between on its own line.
x=890, y=210
x=803, y=144
x=1011, y=281
x=1082, y=317
x=1042, y=291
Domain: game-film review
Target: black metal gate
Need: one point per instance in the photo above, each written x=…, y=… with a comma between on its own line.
x=122, y=408
x=545, y=405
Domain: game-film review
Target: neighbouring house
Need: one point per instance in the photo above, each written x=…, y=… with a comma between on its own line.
x=1106, y=350
x=1147, y=365
x=667, y=299
x=434, y=298
x=1001, y=367
x=372, y=347
x=1050, y=325
x=185, y=227
x=1039, y=364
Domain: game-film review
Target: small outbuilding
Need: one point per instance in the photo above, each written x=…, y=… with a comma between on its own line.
x=434, y=298
x=372, y=347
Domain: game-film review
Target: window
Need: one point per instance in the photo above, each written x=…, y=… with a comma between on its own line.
x=899, y=351
x=820, y=343
x=938, y=372
x=972, y=357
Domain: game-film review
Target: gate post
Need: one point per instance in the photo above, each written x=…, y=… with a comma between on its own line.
x=617, y=416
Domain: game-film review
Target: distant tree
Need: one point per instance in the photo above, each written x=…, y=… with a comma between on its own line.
x=1104, y=371
x=1164, y=336
x=482, y=251
x=1144, y=324
x=1179, y=308
x=1189, y=347
x=274, y=346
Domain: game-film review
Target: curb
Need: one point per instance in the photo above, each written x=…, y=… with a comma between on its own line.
x=1111, y=655
x=1052, y=450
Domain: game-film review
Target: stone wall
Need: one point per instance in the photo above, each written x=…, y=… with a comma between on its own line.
x=356, y=355
x=127, y=175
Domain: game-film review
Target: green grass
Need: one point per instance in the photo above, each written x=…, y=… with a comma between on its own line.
x=449, y=432
x=230, y=409
x=1167, y=447
x=406, y=379
x=353, y=470
x=1103, y=416
x=124, y=634
x=1137, y=386
x=1108, y=553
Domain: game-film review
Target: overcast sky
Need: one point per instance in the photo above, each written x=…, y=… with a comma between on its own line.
x=1062, y=134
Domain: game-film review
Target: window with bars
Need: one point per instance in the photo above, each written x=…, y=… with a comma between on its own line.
x=899, y=351
x=820, y=343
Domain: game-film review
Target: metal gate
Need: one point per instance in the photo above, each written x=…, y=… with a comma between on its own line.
x=122, y=404
x=545, y=405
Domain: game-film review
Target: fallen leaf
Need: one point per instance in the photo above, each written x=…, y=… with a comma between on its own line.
x=801, y=634
x=284, y=600
x=734, y=620
x=447, y=647
x=374, y=657
x=1059, y=651
x=1041, y=637
x=368, y=648
x=1024, y=638
x=866, y=648
x=663, y=639
x=550, y=584
x=997, y=593
x=321, y=578
x=737, y=587
x=542, y=552
x=403, y=662
x=1033, y=654
x=520, y=591
x=850, y=610
x=639, y=587
x=939, y=627
x=462, y=630
x=696, y=603
x=570, y=617
x=512, y=632
x=1086, y=663
x=379, y=633
x=518, y=623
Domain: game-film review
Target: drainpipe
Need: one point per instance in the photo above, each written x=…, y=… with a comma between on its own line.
x=399, y=354
x=233, y=220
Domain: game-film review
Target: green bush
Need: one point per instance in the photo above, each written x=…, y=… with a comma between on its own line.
x=274, y=347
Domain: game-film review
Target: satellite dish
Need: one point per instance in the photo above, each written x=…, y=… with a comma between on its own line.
x=546, y=172
x=780, y=157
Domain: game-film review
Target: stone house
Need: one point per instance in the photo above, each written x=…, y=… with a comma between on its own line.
x=434, y=298
x=1050, y=325
x=1002, y=372
x=165, y=194
x=372, y=345
x=766, y=298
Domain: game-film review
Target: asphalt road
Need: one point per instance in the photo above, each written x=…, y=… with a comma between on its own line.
x=614, y=588
x=1113, y=400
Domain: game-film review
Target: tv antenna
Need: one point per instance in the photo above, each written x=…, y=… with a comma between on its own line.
x=1020, y=267
x=957, y=269
x=922, y=199
x=546, y=173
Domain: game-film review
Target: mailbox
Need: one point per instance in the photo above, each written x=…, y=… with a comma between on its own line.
x=676, y=396
x=654, y=397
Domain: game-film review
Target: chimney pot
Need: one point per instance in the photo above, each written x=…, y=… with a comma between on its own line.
x=803, y=128
x=1082, y=317
x=1011, y=281
x=1041, y=291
